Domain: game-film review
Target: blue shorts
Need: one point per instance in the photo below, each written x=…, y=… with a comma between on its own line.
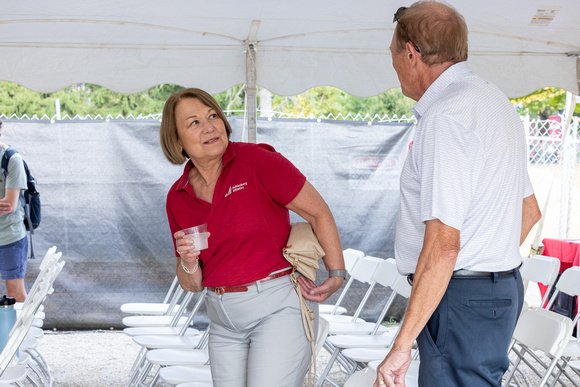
x=13, y=259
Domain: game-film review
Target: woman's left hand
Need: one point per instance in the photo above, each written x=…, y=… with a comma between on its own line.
x=319, y=293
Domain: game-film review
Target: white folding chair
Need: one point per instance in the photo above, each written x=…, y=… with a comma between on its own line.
x=50, y=259
x=164, y=320
x=169, y=306
x=150, y=323
x=362, y=272
x=185, y=374
x=34, y=301
x=539, y=330
x=569, y=283
x=175, y=327
x=166, y=357
x=24, y=320
x=411, y=377
x=364, y=349
x=541, y=269
x=351, y=257
x=386, y=275
x=362, y=378
x=142, y=365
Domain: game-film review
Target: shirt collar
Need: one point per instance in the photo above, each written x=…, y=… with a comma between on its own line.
x=228, y=156
x=438, y=87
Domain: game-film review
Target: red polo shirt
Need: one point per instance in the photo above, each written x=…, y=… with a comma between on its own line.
x=247, y=219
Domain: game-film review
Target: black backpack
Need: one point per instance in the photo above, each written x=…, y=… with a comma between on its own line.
x=30, y=199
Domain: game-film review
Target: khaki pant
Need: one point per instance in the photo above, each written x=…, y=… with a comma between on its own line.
x=257, y=338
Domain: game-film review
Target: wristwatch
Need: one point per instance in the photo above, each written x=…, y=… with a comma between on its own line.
x=337, y=273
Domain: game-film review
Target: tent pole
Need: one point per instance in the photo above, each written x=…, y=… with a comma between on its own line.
x=568, y=160
x=251, y=91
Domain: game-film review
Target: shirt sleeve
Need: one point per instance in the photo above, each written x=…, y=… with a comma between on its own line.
x=449, y=169
x=528, y=188
x=16, y=176
x=278, y=175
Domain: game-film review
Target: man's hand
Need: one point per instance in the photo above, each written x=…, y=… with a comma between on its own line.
x=395, y=364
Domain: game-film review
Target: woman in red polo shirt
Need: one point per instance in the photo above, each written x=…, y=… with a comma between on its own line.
x=243, y=192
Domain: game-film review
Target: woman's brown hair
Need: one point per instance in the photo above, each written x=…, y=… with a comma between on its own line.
x=168, y=128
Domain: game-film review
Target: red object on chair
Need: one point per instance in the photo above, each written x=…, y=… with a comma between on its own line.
x=566, y=250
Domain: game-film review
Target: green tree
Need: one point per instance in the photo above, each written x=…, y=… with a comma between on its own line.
x=324, y=100
x=542, y=103
x=89, y=99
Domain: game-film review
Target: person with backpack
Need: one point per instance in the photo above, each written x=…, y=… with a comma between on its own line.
x=13, y=239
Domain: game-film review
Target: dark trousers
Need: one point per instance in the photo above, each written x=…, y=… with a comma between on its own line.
x=465, y=342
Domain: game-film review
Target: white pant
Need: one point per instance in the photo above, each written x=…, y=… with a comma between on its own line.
x=257, y=338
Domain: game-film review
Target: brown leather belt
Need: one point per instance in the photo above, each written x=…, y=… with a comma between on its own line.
x=219, y=290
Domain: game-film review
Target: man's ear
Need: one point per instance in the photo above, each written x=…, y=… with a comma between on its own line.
x=411, y=54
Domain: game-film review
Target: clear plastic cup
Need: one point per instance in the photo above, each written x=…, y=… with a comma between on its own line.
x=198, y=235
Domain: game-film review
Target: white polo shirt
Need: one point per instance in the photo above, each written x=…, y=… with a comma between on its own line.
x=467, y=167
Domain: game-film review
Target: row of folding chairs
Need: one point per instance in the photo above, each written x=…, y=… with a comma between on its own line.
x=542, y=334
x=171, y=350
x=21, y=360
x=538, y=331
x=354, y=343
x=176, y=353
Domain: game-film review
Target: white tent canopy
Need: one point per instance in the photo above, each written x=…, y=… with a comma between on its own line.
x=129, y=46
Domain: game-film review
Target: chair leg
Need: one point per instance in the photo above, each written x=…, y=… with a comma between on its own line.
x=38, y=373
x=143, y=375
x=155, y=377
x=323, y=376
x=136, y=371
x=513, y=370
x=138, y=358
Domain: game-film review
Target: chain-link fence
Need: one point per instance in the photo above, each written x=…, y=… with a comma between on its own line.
x=545, y=141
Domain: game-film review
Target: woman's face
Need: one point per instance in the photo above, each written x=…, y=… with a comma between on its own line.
x=200, y=131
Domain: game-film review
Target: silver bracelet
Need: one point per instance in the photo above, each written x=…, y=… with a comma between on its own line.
x=337, y=273
x=185, y=269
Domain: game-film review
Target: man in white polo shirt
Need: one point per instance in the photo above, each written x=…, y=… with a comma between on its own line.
x=466, y=206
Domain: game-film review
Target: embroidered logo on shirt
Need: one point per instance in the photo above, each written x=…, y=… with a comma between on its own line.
x=235, y=188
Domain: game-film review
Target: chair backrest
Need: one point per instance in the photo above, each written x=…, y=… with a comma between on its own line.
x=187, y=297
x=351, y=257
x=17, y=335
x=172, y=290
x=569, y=281
x=555, y=331
x=541, y=269
x=193, y=312
x=365, y=268
x=402, y=286
x=364, y=271
x=50, y=260
x=386, y=272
